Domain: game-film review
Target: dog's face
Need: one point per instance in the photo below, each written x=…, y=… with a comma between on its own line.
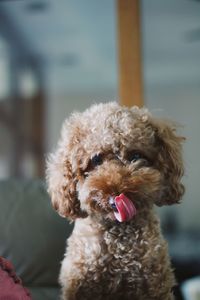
x=109, y=151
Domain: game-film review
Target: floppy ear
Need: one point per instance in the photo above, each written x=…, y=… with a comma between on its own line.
x=62, y=186
x=170, y=163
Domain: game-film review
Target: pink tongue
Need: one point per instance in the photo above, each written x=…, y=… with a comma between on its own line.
x=126, y=208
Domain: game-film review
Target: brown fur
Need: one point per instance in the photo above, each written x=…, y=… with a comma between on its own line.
x=106, y=259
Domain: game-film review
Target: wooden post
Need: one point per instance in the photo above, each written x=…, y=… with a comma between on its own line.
x=38, y=133
x=129, y=53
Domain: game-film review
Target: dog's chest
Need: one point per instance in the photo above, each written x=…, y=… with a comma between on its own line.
x=109, y=260
x=118, y=260
x=124, y=248
x=110, y=251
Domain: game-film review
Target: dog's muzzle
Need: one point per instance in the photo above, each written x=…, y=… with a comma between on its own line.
x=124, y=209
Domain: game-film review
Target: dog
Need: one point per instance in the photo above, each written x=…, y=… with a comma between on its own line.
x=111, y=166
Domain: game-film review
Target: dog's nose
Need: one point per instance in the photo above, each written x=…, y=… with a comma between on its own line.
x=111, y=201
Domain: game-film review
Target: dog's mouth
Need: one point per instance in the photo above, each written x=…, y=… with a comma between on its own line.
x=123, y=207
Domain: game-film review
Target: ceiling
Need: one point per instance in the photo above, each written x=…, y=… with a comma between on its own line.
x=75, y=41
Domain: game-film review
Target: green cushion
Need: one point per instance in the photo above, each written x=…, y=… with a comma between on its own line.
x=44, y=293
x=32, y=235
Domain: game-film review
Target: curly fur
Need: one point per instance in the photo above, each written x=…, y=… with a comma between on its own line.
x=106, y=259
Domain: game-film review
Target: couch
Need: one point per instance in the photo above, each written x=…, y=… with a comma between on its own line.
x=32, y=236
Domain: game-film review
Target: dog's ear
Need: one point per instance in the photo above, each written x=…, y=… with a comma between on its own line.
x=62, y=187
x=170, y=163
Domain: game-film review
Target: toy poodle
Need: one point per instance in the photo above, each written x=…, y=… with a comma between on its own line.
x=111, y=166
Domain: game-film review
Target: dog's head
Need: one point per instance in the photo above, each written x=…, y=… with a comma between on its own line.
x=110, y=150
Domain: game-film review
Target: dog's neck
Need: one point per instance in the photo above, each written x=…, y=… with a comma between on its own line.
x=97, y=225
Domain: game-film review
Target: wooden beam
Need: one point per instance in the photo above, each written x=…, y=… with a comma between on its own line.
x=5, y=117
x=38, y=133
x=129, y=53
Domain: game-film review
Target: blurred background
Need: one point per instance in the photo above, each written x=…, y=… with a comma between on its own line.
x=60, y=56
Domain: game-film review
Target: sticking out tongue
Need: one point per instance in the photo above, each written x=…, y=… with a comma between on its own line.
x=126, y=208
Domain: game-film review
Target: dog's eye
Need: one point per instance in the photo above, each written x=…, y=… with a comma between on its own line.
x=134, y=156
x=96, y=160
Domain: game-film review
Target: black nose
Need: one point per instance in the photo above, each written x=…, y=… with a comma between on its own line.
x=112, y=203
